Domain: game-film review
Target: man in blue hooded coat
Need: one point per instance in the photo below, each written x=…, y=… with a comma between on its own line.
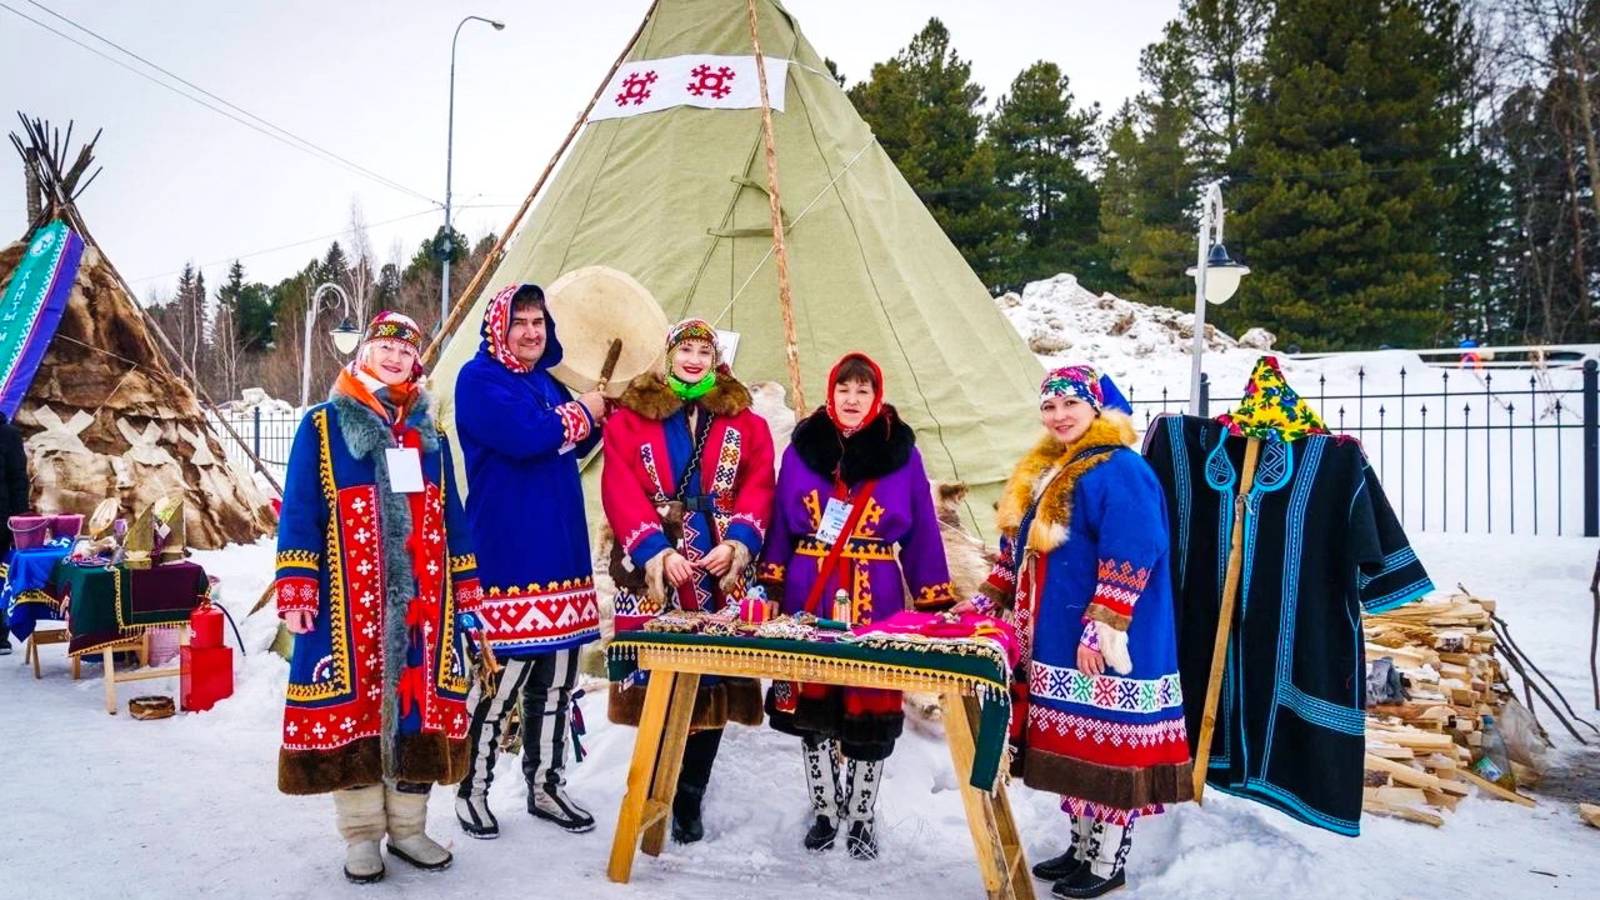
x=522, y=435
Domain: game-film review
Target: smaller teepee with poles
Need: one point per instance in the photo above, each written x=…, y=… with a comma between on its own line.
x=83, y=377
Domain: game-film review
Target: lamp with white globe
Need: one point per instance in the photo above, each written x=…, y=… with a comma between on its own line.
x=1216, y=277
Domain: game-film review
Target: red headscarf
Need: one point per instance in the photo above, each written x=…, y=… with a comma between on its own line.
x=877, y=396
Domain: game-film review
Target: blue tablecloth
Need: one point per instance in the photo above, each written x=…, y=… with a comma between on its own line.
x=23, y=599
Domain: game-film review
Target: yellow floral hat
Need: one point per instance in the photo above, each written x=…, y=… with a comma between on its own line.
x=1271, y=410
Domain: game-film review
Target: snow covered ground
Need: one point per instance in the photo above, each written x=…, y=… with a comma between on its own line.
x=103, y=806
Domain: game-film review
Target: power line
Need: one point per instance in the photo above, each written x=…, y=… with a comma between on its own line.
x=289, y=246
x=287, y=138
x=311, y=240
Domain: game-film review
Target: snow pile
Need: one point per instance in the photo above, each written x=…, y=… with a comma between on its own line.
x=1060, y=315
x=253, y=399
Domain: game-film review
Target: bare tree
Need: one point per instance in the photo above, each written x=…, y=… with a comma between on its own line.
x=227, y=351
x=363, y=262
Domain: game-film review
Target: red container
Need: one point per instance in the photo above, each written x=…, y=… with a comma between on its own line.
x=206, y=676
x=205, y=626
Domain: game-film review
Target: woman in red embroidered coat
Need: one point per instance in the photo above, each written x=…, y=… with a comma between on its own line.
x=687, y=489
x=374, y=565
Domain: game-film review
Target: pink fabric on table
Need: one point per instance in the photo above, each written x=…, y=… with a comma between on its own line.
x=944, y=625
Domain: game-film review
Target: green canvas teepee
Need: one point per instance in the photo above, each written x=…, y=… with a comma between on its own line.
x=677, y=199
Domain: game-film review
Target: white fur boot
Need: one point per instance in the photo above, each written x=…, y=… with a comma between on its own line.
x=408, y=816
x=360, y=814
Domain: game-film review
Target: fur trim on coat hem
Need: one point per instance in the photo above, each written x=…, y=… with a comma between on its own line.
x=1118, y=787
x=735, y=700
x=419, y=758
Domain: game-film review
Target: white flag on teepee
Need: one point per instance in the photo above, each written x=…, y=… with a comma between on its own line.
x=710, y=82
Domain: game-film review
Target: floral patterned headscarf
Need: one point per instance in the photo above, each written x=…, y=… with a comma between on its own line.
x=1086, y=383
x=1271, y=410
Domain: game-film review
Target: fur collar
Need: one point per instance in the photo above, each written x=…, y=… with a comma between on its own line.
x=875, y=451
x=1053, y=461
x=365, y=433
x=649, y=396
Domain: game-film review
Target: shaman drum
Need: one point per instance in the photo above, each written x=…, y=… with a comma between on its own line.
x=594, y=306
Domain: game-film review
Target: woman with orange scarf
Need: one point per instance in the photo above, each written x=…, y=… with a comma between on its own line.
x=378, y=583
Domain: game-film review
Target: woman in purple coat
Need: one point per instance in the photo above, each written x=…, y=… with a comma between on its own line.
x=854, y=514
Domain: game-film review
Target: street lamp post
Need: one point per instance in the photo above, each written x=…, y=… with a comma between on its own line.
x=345, y=337
x=1216, y=277
x=449, y=152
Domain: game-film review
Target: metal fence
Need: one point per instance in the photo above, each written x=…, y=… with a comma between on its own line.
x=1496, y=452
x=267, y=435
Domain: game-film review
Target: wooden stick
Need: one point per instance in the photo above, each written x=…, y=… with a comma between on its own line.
x=613, y=353
x=1594, y=631
x=775, y=208
x=1219, y=647
x=1380, y=808
x=669, y=762
x=1495, y=790
x=108, y=667
x=464, y=303
x=1403, y=774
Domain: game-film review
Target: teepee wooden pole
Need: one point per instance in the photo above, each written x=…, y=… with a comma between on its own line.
x=1230, y=591
x=459, y=309
x=774, y=204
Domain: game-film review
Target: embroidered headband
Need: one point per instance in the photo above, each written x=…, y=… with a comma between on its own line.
x=392, y=326
x=1076, y=382
x=692, y=330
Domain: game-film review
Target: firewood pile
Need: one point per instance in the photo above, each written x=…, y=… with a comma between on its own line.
x=1420, y=749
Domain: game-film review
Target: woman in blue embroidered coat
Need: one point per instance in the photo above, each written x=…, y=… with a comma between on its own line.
x=374, y=565
x=1084, y=574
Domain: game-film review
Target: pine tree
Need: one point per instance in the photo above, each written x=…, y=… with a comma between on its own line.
x=1151, y=177
x=1042, y=144
x=1220, y=41
x=1339, y=207
x=335, y=267
x=249, y=311
x=927, y=114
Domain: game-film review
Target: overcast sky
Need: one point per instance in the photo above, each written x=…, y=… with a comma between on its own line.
x=368, y=81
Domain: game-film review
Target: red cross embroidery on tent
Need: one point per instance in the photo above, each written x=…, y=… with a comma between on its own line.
x=716, y=82
x=636, y=88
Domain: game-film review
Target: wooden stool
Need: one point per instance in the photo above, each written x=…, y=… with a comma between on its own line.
x=140, y=645
x=30, y=650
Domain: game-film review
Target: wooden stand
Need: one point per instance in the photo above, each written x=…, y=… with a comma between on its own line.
x=664, y=731
x=1230, y=593
x=139, y=644
x=42, y=637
